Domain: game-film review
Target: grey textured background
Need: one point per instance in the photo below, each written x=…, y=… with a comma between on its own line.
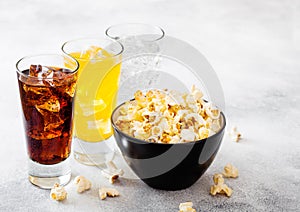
x=252, y=45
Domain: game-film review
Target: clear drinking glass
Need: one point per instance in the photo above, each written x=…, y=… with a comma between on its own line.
x=98, y=81
x=138, y=40
x=47, y=87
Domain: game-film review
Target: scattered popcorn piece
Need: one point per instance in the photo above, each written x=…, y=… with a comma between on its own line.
x=112, y=172
x=82, y=183
x=218, y=179
x=234, y=134
x=220, y=187
x=102, y=194
x=186, y=207
x=58, y=193
x=110, y=176
x=230, y=171
x=169, y=116
x=110, y=192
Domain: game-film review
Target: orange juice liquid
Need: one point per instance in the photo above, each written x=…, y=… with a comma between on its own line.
x=95, y=99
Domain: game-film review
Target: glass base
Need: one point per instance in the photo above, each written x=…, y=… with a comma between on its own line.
x=48, y=182
x=92, y=153
x=45, y=176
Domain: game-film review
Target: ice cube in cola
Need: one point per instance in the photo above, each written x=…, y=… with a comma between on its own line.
x=47, y=99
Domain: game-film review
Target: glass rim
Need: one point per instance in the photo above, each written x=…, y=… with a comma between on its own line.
x=95, y=39
x=137, y=24
x=19, y=71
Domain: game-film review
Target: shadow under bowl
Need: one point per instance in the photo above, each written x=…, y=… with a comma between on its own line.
x=168, y=166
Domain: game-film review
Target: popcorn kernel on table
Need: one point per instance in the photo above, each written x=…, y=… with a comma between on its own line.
x=230, y=171
x=112, y=177
x=58, y=192
x=102, y=194
x=82, y=184
x=108, y=192
x=218, y=179
x=186, y=207
x=219, y=187
x=234, y=134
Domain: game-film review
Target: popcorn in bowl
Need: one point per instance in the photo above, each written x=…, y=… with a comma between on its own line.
x=162, y=116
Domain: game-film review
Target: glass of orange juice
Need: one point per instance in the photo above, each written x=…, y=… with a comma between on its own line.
x=98, y=78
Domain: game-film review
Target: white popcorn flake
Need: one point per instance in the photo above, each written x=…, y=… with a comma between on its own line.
x=156, y=131
x=211, y=111
x=215, y=125
x=102, y=194
x=169, y=116
x=186, y=207
x=82, y=184
x=230, y=171
x=141, y=134
x=187, y=135
x=58, y=192
x=235, y=134
x=195, y=117
x=175, y=139
x=108, y=192
x=112, y=177
x=135, y=126
x=112, y=172
x=203, y=133
x=152, y=117
x=163, y=124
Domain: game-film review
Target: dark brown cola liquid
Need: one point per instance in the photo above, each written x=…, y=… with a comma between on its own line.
x=47, y=103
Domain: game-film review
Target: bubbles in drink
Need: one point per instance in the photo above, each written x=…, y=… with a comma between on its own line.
x=141, y=62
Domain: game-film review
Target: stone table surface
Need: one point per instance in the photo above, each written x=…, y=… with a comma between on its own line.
x=254, y=48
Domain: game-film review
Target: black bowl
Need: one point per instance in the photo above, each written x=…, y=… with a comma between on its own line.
x=168, y=166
